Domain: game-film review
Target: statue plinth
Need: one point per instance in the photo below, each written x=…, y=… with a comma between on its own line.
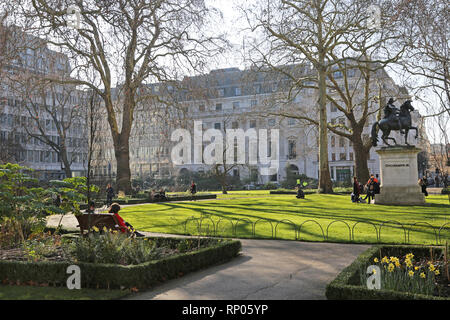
x=399, y=176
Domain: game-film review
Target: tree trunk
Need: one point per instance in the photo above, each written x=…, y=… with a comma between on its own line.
x=325, y=184
x=361, y=156
x=65, y=161
x=123, y=178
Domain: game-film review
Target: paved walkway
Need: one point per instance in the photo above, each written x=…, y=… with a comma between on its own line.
x=266, y=270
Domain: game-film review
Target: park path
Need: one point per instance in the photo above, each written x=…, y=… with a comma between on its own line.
x=266, y=270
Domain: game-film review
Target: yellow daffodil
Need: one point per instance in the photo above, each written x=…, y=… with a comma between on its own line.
x=409, y=256
x=432, y=268
x=95, y=229
x=374, y=271
x=416, y=268
x=408, y=263
x=437, y=272
x=385, y=260
x=397, y=264
x=422, y=275
x=411, y=273
x=391, y=267
x=375, y=260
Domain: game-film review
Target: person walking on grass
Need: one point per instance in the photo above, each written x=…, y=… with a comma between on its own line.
x=371, y=187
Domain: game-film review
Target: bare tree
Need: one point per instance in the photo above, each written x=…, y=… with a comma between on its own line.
x=329, y=47
x=131, y=42
x=52, y=107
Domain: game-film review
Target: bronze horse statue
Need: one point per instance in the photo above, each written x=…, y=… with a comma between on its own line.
x=386, y=125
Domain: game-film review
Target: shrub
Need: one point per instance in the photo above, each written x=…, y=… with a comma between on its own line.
x=112, y=247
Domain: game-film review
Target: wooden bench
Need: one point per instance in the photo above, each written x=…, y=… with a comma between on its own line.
x=98, y=220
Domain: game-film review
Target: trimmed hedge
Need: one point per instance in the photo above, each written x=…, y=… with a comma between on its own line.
x=146, y=200
x=141, y=276
x=347, y=286
x=306, y=191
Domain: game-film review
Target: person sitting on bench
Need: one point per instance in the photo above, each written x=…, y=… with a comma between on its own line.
x=123, y=225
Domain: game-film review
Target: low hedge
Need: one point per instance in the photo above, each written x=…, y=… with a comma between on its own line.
x=445, y=190
x=347, y=286
x=146, y=200
x=141, y=276
x=306, y=191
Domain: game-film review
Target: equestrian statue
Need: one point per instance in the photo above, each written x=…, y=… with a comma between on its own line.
x=394, y=119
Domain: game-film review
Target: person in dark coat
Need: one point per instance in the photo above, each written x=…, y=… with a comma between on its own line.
x=423, y=185
x=356, y=190
x=109, y=194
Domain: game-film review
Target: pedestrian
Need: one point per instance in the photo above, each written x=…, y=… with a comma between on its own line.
x=109, y=194
x=371, y=187
x=193, y=188
x=356, y=190
x=422, y=183
x=436, y=182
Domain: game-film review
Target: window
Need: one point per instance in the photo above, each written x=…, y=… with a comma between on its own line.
x=217, y=125
x=252, y=123
x=338, y=74
x=341, y=142
x=253, y=103
x=237, y=91
x=333, y=141
x=291, y=122
x=234, y=125
x=258, y=88
x=342, y=156
x=351, y=156
x=271, y=122
x=221, y=92
x=219, y=107
x=235, y=173
x=292, y=149
x=201, y=108
x=333, y=157
x=236, y=105
x=333, y=108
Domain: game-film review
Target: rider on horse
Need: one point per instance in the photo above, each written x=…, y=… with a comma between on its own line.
x=392, y=113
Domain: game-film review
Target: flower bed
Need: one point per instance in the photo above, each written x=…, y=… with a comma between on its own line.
x=147, y=261
x=407, y=272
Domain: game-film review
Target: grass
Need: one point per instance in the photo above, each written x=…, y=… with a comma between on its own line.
x=8, y=292
x=253, y=205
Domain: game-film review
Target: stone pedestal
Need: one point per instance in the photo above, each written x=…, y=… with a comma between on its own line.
x=399, y=176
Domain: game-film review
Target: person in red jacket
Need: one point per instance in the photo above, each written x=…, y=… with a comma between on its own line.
x=123, y=225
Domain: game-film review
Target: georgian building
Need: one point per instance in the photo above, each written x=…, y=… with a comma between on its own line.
x=247, y=99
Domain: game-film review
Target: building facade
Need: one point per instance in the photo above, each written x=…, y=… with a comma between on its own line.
x=29, y=112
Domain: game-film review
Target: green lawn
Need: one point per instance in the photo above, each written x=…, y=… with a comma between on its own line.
x=250, y=206
x=51, y=293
